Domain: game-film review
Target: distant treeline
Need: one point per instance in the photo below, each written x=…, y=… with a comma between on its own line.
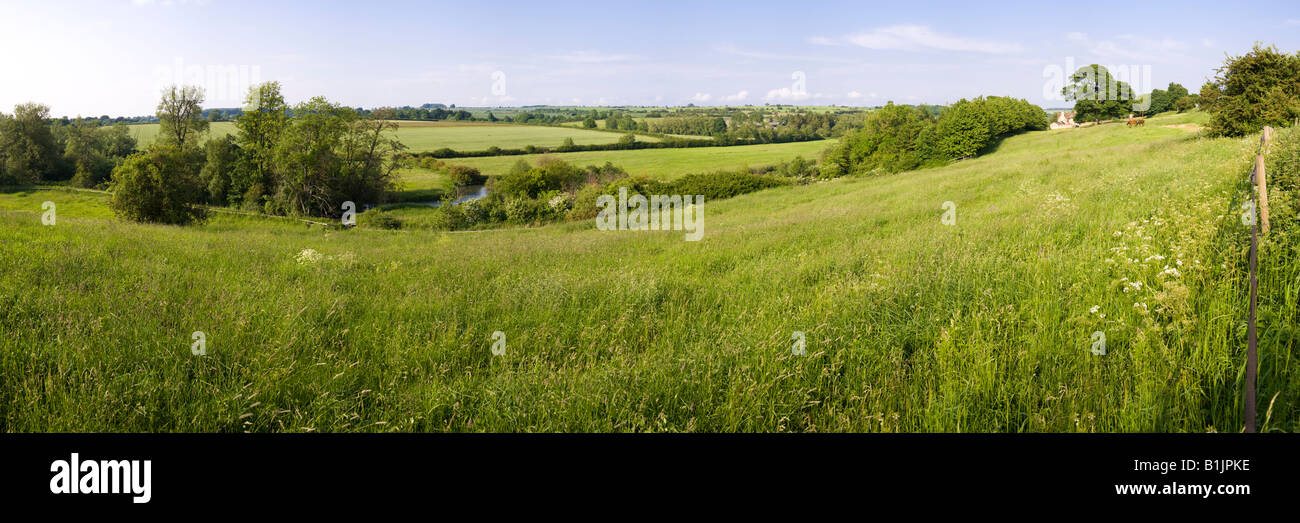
x=627, y=142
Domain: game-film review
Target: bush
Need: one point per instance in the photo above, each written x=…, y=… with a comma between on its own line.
x=524, y=181
x=462, y=176
x=158, y=186
x=448, y=218
x=1259, y=88
x=722, y=185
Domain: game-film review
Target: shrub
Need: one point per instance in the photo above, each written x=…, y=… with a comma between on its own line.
x=462, y=176
x=378, y=219
x=722, y=185
x=526, y=211
x=448, y=218
x=158, y=186
x=549, y=175
x=1259, y=88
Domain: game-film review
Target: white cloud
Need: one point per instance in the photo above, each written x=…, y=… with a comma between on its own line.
x=785, y=94
x=1076, y=36
x=921, y=38
x=822, y=40
x=1292, y=21
x=854, y=95
x=738, y=97
x=701, y=97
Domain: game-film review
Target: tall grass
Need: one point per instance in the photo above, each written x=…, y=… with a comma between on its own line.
x=910, y=325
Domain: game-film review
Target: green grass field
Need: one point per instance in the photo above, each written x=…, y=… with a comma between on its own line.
x=461, y=136
x=147, y=133
x=666, y=164
x=911, y=325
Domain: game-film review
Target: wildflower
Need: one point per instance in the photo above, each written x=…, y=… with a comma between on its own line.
x=1094, y=309
x=308, y=256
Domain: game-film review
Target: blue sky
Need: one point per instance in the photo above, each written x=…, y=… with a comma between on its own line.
x=113, y=56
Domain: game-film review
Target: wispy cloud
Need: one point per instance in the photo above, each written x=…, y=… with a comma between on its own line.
x=759, y=55
x=1139, y=48
x=592, y=57
x=919, y=38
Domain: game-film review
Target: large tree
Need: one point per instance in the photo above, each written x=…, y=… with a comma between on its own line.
x=1097, y=95
x=180, y=115
x=330, y=154
x=28, y=148
x=260, y=127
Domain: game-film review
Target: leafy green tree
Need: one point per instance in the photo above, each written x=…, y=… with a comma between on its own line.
x=84, y=148
x=1185, y=103
x=330, y=154
x=1176, y=91
x=1097, y=94
x=1261, y=87
x=118, y=142
x=963, y=129
x=221, y=167
x=1159, y=102
x=719, y=126
x=180, y=116
x=1209, y=96
x=27, y=145
x=158, y=186
x=589, y=123
x=260, y=126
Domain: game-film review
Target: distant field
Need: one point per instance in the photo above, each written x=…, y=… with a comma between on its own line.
x=461, y=136
x=601, y=125
x=421, y=137
x=146, y=133
x=666, y=164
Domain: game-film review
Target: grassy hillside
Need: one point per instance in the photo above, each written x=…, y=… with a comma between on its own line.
x=461, y=136
x=910, y=325
x=666, y=164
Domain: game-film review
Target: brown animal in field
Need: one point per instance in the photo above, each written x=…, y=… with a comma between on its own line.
x=1136, y=121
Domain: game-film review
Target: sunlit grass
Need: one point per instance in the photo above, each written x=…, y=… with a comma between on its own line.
x=911, y=325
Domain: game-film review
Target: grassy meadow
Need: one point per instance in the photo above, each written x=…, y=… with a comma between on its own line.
x=910, y=325
x=665, y=164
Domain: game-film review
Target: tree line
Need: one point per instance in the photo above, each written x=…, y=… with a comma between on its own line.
x=305, y=159
x=899, y=138
x=37, y=149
